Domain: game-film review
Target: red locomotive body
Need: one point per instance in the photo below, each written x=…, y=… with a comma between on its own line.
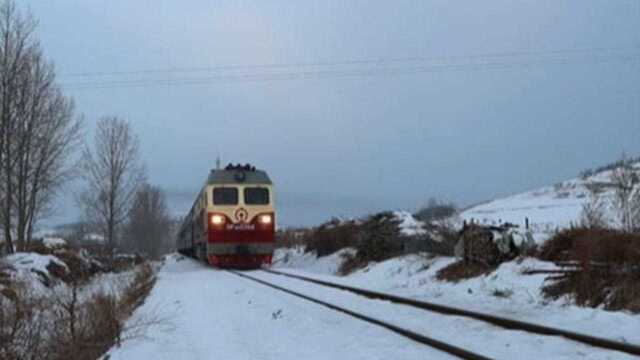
x=232, y=222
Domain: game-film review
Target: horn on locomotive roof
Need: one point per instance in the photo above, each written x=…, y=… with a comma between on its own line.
x=245, y=167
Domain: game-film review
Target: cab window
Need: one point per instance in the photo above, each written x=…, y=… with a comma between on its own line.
x=256, y=196
x=225, y=196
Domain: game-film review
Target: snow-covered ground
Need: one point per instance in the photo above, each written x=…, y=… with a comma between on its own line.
x=505, y=292
x=29, y=269
x=213, y=314
x=548, y=209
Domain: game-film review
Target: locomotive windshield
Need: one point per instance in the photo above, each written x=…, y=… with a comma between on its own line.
x=256, y=196
x=225, y=196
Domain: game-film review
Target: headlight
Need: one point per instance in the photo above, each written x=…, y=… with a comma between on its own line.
x=217, y=219
x=266, y=219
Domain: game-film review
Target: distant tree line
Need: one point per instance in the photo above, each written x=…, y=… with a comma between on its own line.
x=614, y=165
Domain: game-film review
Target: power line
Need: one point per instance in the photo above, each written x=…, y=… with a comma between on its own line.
x=341, y=73
x=378, y=61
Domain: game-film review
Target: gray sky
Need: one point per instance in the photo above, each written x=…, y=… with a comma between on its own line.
x=349, y=139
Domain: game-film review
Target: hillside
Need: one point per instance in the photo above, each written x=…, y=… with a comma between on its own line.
x=548, y=208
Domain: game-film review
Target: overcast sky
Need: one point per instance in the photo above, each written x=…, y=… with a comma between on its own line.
x=374, y=104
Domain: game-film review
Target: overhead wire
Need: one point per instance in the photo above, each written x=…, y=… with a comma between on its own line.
x=340, y=73
x=376, y=61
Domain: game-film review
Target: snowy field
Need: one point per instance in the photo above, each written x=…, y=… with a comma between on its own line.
x=214, y=314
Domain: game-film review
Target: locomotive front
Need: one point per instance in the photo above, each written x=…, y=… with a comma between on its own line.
x=241, y=217
x=232, y=223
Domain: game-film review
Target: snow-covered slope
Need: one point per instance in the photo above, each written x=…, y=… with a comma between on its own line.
x=548, y=209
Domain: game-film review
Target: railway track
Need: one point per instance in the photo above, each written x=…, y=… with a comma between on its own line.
x=440, y=309
x=491, y=319
x=425, y=340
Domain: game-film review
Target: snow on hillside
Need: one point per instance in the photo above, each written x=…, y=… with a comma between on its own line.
x=548, y=209
x=299, y=259
x=408, y=225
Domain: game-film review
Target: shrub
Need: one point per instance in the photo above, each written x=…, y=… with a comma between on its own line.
x=461, y=270
x=288, y=238
x=378, y=239
x=436, y=210
x=587, y=245
x=332, y=236
x=22, y=333
x=605, y=267
x=67, y=325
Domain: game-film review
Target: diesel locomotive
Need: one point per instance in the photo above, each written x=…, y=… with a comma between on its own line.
x=232, y=221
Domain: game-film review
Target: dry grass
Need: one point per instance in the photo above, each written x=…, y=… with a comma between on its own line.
x=461, y=270
x=351, y=263
x=587, y=245
x=596, y=288
x=69, y=326
x=605, y=268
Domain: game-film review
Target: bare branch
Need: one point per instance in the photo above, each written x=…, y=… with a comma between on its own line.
x=113, y=173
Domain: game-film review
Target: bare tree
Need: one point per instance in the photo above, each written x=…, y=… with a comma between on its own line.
x=625, y=180
x=148, y=228
x=38, y=131
x=593, y=211
x=113, y=173
x=436, y=210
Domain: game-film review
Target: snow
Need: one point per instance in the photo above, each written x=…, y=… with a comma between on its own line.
x=408, y=225
x=214, y=314
x=297, y=258
x=53, y=242
x=33, y=262
x=476, y=336
x=548, y=208
x=505, y=292
x=97, y=238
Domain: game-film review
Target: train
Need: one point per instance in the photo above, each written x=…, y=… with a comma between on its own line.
x=232, y=221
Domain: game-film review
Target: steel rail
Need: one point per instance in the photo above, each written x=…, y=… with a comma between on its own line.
x=422, y=339
x=512, y=324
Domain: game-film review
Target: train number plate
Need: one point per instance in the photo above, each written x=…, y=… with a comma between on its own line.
x=241, y=227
